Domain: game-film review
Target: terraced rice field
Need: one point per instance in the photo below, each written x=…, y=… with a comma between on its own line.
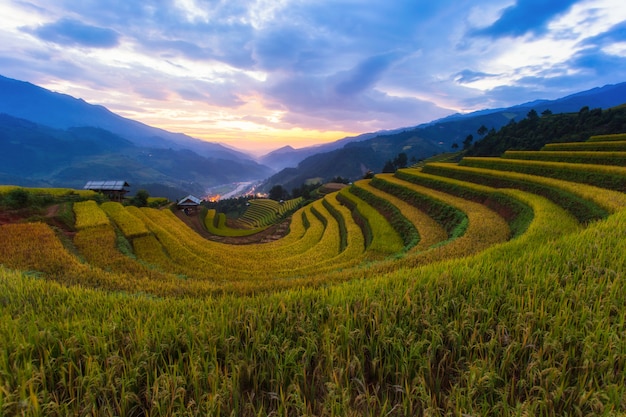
x=263, y=212
x=493, y=286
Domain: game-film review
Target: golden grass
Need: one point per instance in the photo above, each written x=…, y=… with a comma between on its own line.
x=89, y=214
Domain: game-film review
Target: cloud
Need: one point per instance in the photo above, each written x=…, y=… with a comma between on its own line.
x=74, y=33
x=179, y=48
x=468, y=76
x=368, y=112
x=598, y=64
x=364, y=75
x=279, y=48
x=525, y=16
x=615, y=34
x=217, y=95
x=315, y=102
x=346, y=64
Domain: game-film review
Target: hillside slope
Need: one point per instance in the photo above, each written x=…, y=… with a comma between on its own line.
x=37, y=155
x=357, y=155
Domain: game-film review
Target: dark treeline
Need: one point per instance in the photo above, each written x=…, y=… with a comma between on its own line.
x=536, y=130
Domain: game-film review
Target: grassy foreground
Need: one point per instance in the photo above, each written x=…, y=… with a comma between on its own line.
x=528, y=327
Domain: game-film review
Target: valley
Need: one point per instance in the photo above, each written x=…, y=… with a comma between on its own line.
x=402, y=294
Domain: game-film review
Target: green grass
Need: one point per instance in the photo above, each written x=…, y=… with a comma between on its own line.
x=394, y=216
x=215, y=223
x=451, y=219
x=517, y=214
x=611, y=177
x=264, y=212
x=560, y=192
x=577, y=157
x=56, y=192
x=380, y=237
x=605, y=138
x=608, y=146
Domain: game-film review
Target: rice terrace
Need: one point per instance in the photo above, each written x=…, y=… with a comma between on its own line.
x=486, y=286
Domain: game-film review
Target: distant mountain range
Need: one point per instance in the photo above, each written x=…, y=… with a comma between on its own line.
x=27, y=101
x=287, y=156
x=352, y=157
x=52, y=139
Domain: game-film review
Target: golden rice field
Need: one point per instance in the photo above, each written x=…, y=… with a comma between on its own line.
x=490, y=287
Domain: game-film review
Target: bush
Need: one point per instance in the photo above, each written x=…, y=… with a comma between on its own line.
x=17, y=198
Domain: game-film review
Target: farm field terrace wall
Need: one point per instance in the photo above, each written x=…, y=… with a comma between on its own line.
x=193, y=256
x=589, y=157
x=516, y=213
x=392, y=214
x=215, y=223
x=429, y=231
x=602, y=138
x=612, y=177
x=381, y=239
x=609, y=146
x=589, y=202
x=483, y=228
x=35, y=247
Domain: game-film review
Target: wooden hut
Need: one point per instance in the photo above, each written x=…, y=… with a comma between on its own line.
x=115, y=190
x=189, y=204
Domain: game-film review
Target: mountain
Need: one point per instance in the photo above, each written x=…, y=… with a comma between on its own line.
x=287, y=156
x=351, y=158
x=30, y=102
x=600, y=97
x=35, y=155
x=52, y=139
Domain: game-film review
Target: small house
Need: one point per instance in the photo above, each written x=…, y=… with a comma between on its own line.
x=189, y=204
x=115, y=190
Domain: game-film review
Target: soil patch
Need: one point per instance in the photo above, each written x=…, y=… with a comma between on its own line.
x=7, y=217
x=49, y=216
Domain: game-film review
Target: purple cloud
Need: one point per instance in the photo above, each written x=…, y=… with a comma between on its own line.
x=74, y=33
x=364, y=75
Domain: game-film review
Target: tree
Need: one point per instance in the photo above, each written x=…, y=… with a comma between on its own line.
x=468, y=141
x=482, y=130
x=401, y=160
x=546, y=112
x=277, y=193
x=532, y=115
x=455, y=145
x=340, y=180
x=140, y=199
x=389, y=167
x=305, y=190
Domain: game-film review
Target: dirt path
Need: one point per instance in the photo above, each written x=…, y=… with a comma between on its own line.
x=18, y=215
x=270, y=234
x=52, y=210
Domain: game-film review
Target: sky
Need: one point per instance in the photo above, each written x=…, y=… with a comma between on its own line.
x=261, y=74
